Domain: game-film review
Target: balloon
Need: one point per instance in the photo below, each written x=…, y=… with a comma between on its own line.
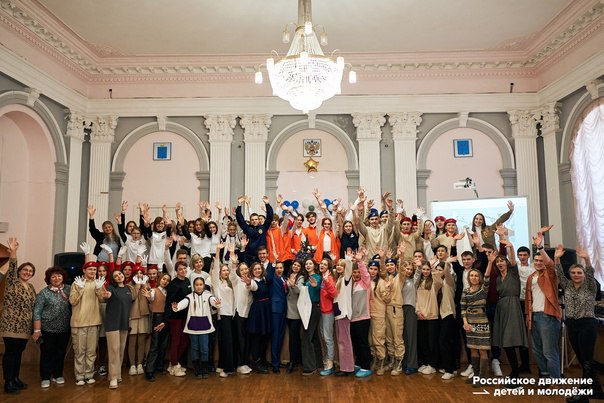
x=295, y=204
x=330, y=208
x=311, y=208
x=283, y=213
x=287, y=203
x=327, y=202
x=305, y=203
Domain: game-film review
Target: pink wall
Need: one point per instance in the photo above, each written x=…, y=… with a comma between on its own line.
x=483, y=167
x=158, y=182
x=27, y=187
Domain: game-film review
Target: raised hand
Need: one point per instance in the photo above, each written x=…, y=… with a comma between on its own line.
x=361, y=193
x=266, y=200
x=312, y=281
x=279, y=199
x=510, y=205
x=388, y=202
x=217, y=301
x=240, y=199
x=124, y=206
x=85, y=248
x=218, y=206
x=107, y=248
x=370, y=204
x=174, y=306
x=79, y=281
x=476, y=239
x=559, y=252
x=247, y=199
x=460, y=235
x=99, y=282
x=491, y=255
x=582, y=253
x=246, y=279
x=91, y=211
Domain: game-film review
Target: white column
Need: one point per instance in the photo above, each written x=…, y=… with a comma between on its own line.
x=369, y=135
x=75, y=134
x=404, y=134
x=101, y=138
x=221, y=136
x=550, y=127
x=255, y=136
x=524, y=132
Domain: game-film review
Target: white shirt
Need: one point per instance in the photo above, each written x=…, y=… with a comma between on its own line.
x=524, y=272
x=538, y=296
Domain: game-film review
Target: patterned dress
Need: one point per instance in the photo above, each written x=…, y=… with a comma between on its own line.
x=19, y=300
x=473, y=309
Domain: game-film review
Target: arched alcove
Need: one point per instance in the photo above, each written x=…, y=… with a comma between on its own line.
x=27, y=185
x=189, y=168
x=508, y=166
x=351, y=167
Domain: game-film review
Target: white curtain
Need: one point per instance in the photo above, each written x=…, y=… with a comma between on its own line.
x=587, y=174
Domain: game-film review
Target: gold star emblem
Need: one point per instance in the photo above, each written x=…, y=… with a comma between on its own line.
x=311, y=165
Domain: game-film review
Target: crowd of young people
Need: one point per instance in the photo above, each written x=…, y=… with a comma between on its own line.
x=361, y=291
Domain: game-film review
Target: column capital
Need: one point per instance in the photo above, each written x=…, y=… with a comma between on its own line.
x=103, y=129
x=33, y=94
x=550, y=117
x=255, y=127
x=75, y=124
x=592, y=88
x=404, y=124
x=220, y=127
x=524, y=123
x=369, y=125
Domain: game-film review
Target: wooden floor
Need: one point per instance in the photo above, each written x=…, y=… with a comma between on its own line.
x=265, y=388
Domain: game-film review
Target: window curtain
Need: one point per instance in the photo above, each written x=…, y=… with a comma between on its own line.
x=587, y=175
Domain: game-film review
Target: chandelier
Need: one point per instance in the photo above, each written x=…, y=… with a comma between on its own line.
x=305, y=77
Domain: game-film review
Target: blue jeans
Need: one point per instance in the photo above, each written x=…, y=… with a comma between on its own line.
x=199, y=346
x=546, y=347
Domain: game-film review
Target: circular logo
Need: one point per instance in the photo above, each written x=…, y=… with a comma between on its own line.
x=260, y=231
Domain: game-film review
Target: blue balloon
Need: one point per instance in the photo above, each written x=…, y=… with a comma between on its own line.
x=295, y=204
x=327, y=202
x=287, y=203
x=283, y=213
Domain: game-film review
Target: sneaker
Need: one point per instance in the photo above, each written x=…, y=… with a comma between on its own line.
x=244, y=370
x=102, y=370
x=223, y=374
x=113, y=384
x=59, y=381
x=139, y=369
x=45, y=384
x=132, y=370
x=428, y=370
x=421, y=369
x=327, y=372
x=90, y=381
x=363, y=373
x=442, y=370
x=410, y=371
x=170, y=369
x=80, y=382
x=469, y=372
x=219, y=370
x=178, y=371
x=308, y=373
x=447, y=375
x=496, y=367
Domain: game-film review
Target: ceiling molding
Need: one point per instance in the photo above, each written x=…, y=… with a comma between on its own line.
x=37, y=25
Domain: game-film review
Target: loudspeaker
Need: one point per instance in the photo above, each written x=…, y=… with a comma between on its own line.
x=71, y=262
x=568, y=259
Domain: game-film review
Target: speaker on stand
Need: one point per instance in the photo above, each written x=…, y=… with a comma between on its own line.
x=72, y=263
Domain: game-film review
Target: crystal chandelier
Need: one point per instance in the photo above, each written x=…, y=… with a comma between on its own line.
x=305, y=77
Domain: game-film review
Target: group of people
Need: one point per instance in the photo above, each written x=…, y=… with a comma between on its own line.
x=388, y=291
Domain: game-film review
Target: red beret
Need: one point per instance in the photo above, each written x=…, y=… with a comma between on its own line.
x=439, y=218
x=89, y=264
x=406, y=219
x=450, y=220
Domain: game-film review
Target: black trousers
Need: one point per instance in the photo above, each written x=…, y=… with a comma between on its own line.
x=312, y=357
x=226, y=343
x=427, y=342
x=52, y=354
x=582, y=334
x=242, y=353
x=446, y=343
x=158, y=346
x=359, y=336
x=295, y=343
x=11, y=360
